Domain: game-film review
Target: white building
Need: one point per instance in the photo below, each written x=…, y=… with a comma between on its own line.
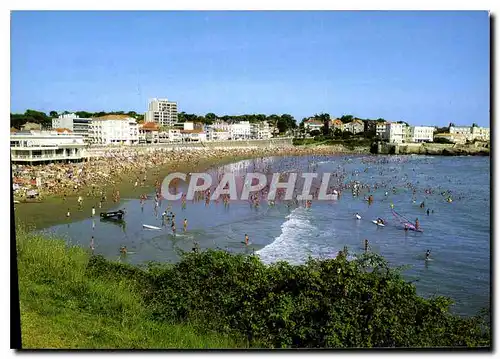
x=79, y=126
x=161, y=111
x=193, y=136
x=394, y=132
x=46, y=146
x=261, y=130
x=214, y=134
x=170, y=135
x=480, y=133
x=380, y=129
x=149, y=132
x=311, y=125
x=356, y=126
x=422, y=133
x=466, y=131
x=240, y=131
x=114, y=130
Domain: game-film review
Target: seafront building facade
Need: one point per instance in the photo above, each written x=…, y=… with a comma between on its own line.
x=260, y=130
x=46, y=146
x=422, y=133
x=70, y=121
x=480, y=133
x=162, y=112
x=240, y=131
x=394, y=132
x=114, y=130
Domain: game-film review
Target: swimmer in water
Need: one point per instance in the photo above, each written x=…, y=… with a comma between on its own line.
x=246, y=239
x=185, y=224
x=427, y=254
x=123, y=250
x=417, y=224
x=366, y=245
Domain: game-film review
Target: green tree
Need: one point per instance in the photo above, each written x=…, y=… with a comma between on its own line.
x=53, y=114
x=84, y=114
x=211, y=116
x=346, y=118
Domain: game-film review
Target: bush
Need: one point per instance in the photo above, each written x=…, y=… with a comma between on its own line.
x=323, y=303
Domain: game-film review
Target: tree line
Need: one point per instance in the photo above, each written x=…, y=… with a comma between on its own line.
x=17, y=120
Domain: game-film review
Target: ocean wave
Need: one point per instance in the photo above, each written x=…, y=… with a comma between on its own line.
x=294, y=244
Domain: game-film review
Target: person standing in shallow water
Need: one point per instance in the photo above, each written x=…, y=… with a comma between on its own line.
x=246, y=239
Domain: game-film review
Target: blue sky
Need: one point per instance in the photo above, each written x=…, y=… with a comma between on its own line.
x=420, y=67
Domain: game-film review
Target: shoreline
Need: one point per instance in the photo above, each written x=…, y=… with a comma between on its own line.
x=52, y=208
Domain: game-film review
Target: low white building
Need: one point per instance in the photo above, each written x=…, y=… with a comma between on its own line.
x=462, y=130
x=114, y=130
x=261, y=130
x=354, y=127
x=70, y=121
x=240, y=131
x=422, y=133
x=214, y=134
x=193, y=136
x=149, y=132
x=170, y=135
x=480, y=133
x=311, y=125
x=46, y=146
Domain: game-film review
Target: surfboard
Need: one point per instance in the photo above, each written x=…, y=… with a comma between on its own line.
x=378, y=224
x=147, y=226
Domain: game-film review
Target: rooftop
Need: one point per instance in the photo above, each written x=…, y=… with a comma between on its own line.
x=114, y=117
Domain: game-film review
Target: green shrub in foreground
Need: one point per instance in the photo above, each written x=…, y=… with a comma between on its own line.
x=323, y=303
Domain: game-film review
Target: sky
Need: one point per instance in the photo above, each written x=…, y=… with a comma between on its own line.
x=425, y=68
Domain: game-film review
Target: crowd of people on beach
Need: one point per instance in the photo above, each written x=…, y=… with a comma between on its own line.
x=114, y=165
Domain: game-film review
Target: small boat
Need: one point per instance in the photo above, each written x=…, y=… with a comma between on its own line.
x=113, y=214
x=147, y=226
x=378, y=224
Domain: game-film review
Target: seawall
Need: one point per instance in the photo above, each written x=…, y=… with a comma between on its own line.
x=445, y=149
x=95, y=151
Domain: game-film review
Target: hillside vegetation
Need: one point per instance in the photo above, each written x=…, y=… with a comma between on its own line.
x=213, y=299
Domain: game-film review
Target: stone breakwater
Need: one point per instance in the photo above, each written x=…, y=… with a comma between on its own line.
x=108, y=167
x=473, y=149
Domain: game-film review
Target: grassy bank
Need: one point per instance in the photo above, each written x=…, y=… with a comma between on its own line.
x=70, y=299
x=64, y=306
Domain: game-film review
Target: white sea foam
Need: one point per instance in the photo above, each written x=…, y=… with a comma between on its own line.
x=294, y=244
